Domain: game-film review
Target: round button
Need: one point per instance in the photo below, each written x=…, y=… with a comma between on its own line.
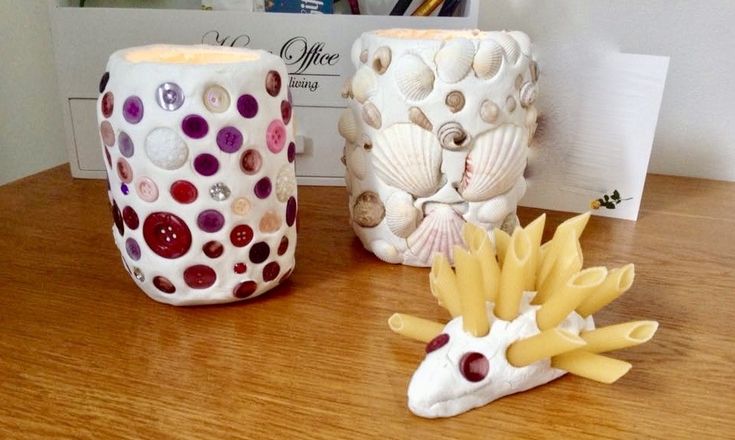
x=283, y=246
x=286, y=112
x=125, y=144
x=270, y=222
x=241, y=235
x=275, y=136
x=130, y=217
x=195, y=126
x=210, y=220
x=291, y=152
x=240, y=268
x=229, y=139
x=245, y=289
x=147, y=189
x=271, y=271
x=117, y=218
x=291, y=211
x=133, y=109
x=263, y=188
x=247, y=106
x=124, y=171
x=133, y=249
x=273, y=83
x=164, y=284
x=219, y=192
x=241, y=206
x=437, y=343
x=216, y=99
x=206, y=164
x=108, y=103
x=166, y=234
x=124, y=188
x=474, y=366
x=184, y=191
x=108, y=134
x=213, y=249
x=259, y=252
x=166, y=149
x=199, y=276
x=103, y=81
x=169, y=96
x=251, y=161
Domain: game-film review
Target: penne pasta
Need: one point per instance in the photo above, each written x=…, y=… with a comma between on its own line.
x=472, y=300
x=415, y=328
x=562, y=302
x=513, y=276
x=546, y=344
x=619, y=336
x=502, y=240
x=535, y=231
x=618, y=282
x=444, y=285
x=591, y=366
x=573, y=226
x=480, y=246
x=568, y=263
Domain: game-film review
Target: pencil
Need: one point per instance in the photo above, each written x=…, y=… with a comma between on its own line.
x=448, y=8
x=427, y=8
x=400, y=7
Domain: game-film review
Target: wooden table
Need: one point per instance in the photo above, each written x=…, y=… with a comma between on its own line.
x=84, y=353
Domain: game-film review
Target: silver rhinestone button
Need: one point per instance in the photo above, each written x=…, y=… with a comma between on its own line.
x=138, y=274
x=169, y=96
x=219, y=191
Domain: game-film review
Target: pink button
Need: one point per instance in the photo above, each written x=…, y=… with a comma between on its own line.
x=147, y=189
x=275, y=137
x=124, y=171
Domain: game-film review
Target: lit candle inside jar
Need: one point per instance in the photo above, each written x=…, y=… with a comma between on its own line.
x=198, y=144
x=437, y=132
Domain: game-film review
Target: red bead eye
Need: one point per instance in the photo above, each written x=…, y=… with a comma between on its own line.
x=437, y=343
x=474, y=366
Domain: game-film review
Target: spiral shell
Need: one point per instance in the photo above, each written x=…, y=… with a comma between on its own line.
x=401, y=216
x=510, y=104
x=528, y=94
x=368, y=210
x=371, y=115
x=454, y=59
x=414, y=78
x=510, y=47
x=488, y=59
x=455, y=101
x=364, y=84
x=347, y=126
x=381, y=59
x=452, y=136
x=489, y=112
x=417, y=116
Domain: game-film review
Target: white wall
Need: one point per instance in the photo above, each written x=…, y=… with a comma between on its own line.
x=696, y=130
x=31, y=130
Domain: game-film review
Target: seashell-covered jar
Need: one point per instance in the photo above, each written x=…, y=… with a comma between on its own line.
x=437, y=132
x=198, y=142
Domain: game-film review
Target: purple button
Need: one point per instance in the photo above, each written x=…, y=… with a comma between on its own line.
x=229, y=139
x=133, y=109
x=259, y=252
x=247, y=105
x=195, y=126
x=210, y=220
x=133, y=249
x=263, y=188
x=206, y=164
x=291, y=211
x=125, y=144
x=124, y=189
x=103, y=81
x=291, y=152
x=286, y=111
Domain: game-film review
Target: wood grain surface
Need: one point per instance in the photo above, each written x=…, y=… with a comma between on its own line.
x=85, y=354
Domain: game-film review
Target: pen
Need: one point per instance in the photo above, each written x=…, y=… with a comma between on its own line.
x=448, y=8
x=426, y=8
x=400, y=7
x=355, y=7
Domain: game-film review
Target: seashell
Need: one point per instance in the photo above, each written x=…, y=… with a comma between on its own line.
x=452, y=136
x=356, y=52
x=368, y=211
x=454, y=60
x=418, y=117
x=386, y=252
x=347, y=126
x=346, y=91
x=531, y=124
x=524, y=43
x=381, y=60
x=364, y=84
x=364, y=56
x=528, y=94
x=518, y=82
x=356, y=162
x=455, y=101
x=489, y=112
x=533, y=68
x=439, y=232
x=366, y=143
x=495, y=162
x=510, y=104
x=409, y=158
x=414, y=78
x=488, y=59
x=510, y=47
x=371, y=115
x=401, y=216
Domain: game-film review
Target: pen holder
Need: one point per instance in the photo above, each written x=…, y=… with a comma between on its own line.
x=198, y=144
x=437, y=132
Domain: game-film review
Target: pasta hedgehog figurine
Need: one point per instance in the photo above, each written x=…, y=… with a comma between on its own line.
x=521, y=317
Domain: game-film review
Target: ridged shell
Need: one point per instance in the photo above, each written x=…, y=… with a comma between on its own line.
x=414, y=78
x=401, y=216
x=528, y=94
x=524, y=42
x=439, y=232
x=347, y=126
x=495, y=162
x=371, y=115
x=454, y=60
x=488, y=59
x=368, y=210
x=364, y=84
x=452, y=136
x=489, y=112
x=409, y=158
x=356, y=161
x=417, y=116
x=381, y=59
x=510, y=47
x=455, y=101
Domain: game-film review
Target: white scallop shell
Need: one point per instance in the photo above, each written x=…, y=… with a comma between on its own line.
x=452, y=136
x=523, y=41
x=414, y=78
x=489, y=112
x=510, y=47
x=454, y=60
x=401, y=215
x=409, y=158
x=418, y=117
x=371, y=115
x=528, y=94
x=495, y=162
x=356, y=161
x=347, y=126
x=364, y=84
x=439, y=232
x=381, y=59
x=488, y=59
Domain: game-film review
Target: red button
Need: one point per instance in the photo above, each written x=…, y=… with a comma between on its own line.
x=240, y=268
x=183, y=191
x=166, y=234
x=117, y=218
x=245, y=289
x=199, y=276
x=130, y=217
x=241, y=235
x=271, y=271
x=164, y=284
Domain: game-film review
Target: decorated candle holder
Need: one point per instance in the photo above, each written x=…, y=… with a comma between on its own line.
x=522, y=317
x=198, y=142
x=437, y=132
